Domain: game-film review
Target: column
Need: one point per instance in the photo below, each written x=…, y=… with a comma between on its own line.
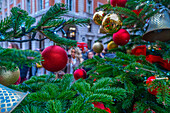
x=3, y=9
x=22, y=4
x=8, y=8
x=14, y=3
x=33, y=7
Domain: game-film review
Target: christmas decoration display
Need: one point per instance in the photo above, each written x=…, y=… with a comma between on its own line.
x=111, y=23
x=149, y=82
x=121, y=37
x=18, y=81
x=120, y=3
x=8, y=77
x=10, y=99
x=98, y=17
x=101, y=106
x=101, y=30
x=111, y=45
x=98, y=47
x=55, y=58
x=159, y=27
x=80, y=73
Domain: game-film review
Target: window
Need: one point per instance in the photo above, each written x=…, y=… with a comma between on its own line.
x=89, y=27
x=99, y=4
x=5, y=3
x=11, y=1
x=69, y=4
x=19, y=5
x=0, y=17
x=0, y=6
x=40, y=5
x=89, y=43
x=6, y=14
x=46, y=3
x=28, y=6
x=89, y=6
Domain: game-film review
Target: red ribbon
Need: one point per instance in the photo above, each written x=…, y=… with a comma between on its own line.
x=141, y=50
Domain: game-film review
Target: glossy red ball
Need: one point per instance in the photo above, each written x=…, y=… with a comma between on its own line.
x=121, y=37
x=80, y=73
x=55, y=58
x=149, y=82
x=120, y=3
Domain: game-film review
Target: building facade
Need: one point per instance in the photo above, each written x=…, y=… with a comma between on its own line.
x=77, y=9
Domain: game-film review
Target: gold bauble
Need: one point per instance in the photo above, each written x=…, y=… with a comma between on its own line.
x=98, y=47
x=8, y=77
x=101, y=30
x=111, y=23
x=111, y=45
x=98, y=17
x=128, y=51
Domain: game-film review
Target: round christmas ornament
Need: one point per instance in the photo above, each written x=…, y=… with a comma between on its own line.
x=98, y=17
x=149, y=82
x=80, y=73
x=55, y=58
x=8, y=77
x=121, y=37
x=98, y=47
x=120, y=3
x=111, y=23
x=111, y=45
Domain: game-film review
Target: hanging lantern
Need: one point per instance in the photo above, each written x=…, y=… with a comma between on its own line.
x=159, y=27
x=98, y=17
x=111, y=23
x=101, y=30
x=10, y=99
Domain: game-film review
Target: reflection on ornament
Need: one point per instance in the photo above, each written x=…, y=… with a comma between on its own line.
x=98, y=17
x=111, y=23
x=101, y=30
x=8, y=77
x=111, y=45
x=10, y=99
x=98, y=47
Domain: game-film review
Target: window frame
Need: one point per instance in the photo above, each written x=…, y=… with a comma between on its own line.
x=88, y=5
x=73, y=5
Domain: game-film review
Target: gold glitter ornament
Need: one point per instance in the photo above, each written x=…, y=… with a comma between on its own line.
x=8, y=77
x=98, y=17
x=111, y=45
x=98, y=47
x=111, y=23
x=101, y=30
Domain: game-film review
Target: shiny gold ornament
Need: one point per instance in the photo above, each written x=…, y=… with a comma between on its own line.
x=10, y=99
x=98, y=47
x=111, y=23
x=98, y=17
x=159, y=27
x=101, y=30
x=128, y=51
x=8, y=77
x=111, y=45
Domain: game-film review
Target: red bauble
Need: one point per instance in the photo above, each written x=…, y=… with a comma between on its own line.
x=120, y=3
x=147, y=111
x=137, y=12
x=80, y=73
x=121, y=37
x=101, y=106
x=149, y=82
x=18, y=81
x=55, y=58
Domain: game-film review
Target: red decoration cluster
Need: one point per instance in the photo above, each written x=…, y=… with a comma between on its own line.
x=141, y=50
x=82, y=45
x=80, y=73
x=149, y=82
x=121, y=37
x=101, y=106
x=120, y=3
x=55, y=58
